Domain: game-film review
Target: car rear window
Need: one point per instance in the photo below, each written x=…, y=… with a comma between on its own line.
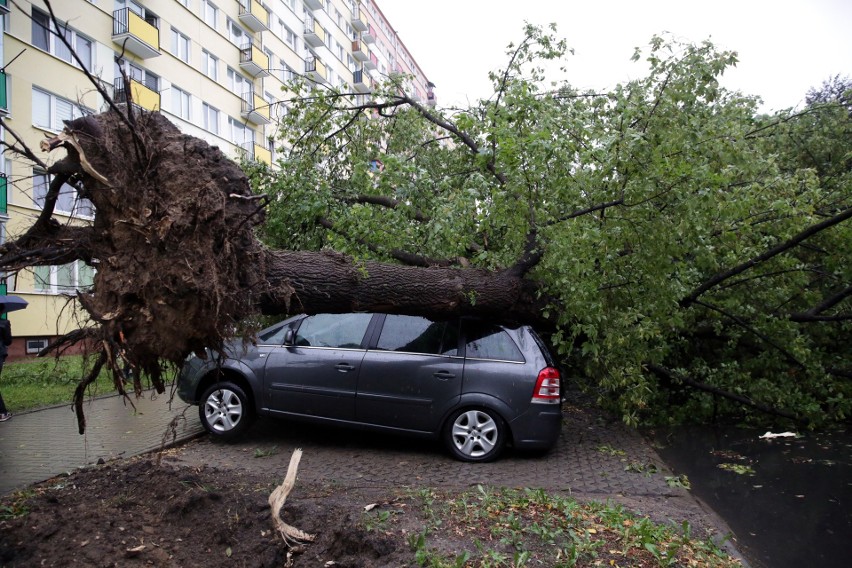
x=413, y=334
x=333, y=330
x=488, y=341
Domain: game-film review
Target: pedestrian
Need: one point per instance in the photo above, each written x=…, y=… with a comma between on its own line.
x=5, y=342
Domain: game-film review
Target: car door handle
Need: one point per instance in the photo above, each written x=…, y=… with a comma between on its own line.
x=344, y=367
x=443, y=375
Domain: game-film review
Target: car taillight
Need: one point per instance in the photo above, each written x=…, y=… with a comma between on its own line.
x=547, y=386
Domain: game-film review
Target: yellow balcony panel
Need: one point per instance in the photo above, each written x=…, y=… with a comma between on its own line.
x=254, y=61
x=316, y=70
x=253, y=15
x=360, y=51
x=358, y=21
x=255, y=109
x=314, y=34
x=262, y=154
x=141, y=95
x=135, y=34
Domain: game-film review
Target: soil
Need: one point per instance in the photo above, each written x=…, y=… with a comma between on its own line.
x=173, y=509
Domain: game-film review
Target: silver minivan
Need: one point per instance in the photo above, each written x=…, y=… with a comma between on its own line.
x=475, y=384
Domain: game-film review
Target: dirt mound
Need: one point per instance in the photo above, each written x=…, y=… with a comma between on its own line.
x=138, y=513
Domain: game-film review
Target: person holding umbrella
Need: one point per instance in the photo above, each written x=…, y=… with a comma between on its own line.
x=5, y=341
x=7, y=304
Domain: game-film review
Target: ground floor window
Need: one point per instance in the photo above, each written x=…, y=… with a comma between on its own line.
x=67, y=278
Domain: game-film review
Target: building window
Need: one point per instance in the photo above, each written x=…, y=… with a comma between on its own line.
x=67, y=202
x=239, y=133
x=209, y=13
x=210, y=65
x=46, y=37
x=36, y=345
x=237, y=35
x=180, y=46
x=180, y=103
x=238, y=84
x=64, y=279
x=211, y=118
x=49, y=110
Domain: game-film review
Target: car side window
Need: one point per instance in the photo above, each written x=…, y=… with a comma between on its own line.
x=486, y=341
x=273, y=336
x=333, y=330
x=413, y=334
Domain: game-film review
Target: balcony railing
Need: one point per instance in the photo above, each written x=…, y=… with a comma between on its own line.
x=313, y=4
x=360, y=51
x=369, y=35
x=4, y=99
x=4, y=6
x=314, y=34
x=358, y=21
x=316, y=70
x=141, y=95
x=372, y=63
x=137, y=36
x=257, y=153
x=255, y=108
x=253, y=15
x=361, y=81
x=254, y=61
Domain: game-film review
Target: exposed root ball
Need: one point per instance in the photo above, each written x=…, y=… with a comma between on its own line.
x=186, y=213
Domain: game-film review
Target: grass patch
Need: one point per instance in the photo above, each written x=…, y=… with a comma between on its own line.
x=493, y=527
x=35, y=383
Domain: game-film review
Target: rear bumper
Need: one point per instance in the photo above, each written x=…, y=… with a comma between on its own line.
x=538, y=428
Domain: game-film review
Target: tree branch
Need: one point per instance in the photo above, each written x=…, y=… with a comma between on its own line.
x=774, y=251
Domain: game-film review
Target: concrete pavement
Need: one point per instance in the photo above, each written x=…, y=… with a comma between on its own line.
x=40, y=444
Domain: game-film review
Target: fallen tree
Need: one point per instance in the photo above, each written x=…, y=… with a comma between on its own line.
x=632, y=229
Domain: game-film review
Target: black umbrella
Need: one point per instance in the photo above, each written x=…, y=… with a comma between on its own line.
x=12, y=303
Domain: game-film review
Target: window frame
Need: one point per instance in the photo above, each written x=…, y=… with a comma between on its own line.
x=181, y=45
x=181, y=103
x=51, y=285
x=54, y=45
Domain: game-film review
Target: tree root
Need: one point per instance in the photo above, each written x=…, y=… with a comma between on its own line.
x=291, y=535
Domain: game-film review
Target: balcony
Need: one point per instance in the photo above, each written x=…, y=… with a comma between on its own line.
x=314, y=34
x=358, y=21
x=256, y=153
x=360, y=51
x=140, y=95
x=4, y=98
x=372, y=63
x=135, y=34
x=362, y=81
x=4, y=7
x=4, y=195
x=314, y=4
x=253, y=15
x=369, y=35
x=316, y=70
x=254, y=61
x=255, y=108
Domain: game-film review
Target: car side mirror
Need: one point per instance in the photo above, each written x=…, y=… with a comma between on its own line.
x=289, y=337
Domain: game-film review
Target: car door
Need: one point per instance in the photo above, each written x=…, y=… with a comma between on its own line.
x=317, y=374
x=413, y=375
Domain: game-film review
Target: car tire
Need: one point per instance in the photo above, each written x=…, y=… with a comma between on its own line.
x=475, y=435
x=225, y=410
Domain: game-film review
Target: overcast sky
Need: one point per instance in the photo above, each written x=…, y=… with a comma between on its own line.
x=784, y=46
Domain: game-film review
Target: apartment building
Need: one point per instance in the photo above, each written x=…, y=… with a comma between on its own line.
x=215, y=68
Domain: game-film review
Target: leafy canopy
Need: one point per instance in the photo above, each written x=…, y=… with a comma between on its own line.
x=639, y=202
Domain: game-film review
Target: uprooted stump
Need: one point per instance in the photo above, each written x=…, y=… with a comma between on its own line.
x=178, y=266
